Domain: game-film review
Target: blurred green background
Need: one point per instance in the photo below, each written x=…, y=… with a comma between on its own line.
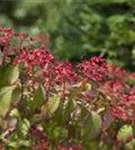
x=78, y=28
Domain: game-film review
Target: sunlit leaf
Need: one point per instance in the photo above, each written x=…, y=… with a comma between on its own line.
x=24, y=126
x=5, y=99
x=130, y=145
x=11, y=74
x=19, y=144
x=53, y=104
x=124, y=133
x=15, y=113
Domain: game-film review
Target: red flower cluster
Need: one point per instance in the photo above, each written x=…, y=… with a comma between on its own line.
x=121, y=94
x=117, y=73
x=114, y=89
x=55, y=72
x=65, y=72
x=38, y=57
x=96, y=69
x=125, y=108
x=5, y=36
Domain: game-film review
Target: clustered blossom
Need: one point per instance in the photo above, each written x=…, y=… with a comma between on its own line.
x=38, y=57
x=117, y=73
x=57, y=72
x=65, y=72
x=114, y=89
x=96, y=69
x=53, y=72
x=124, y=109
x=121, y=94
x=5, y=36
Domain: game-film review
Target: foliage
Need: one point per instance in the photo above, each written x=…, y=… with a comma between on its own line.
x=46, y=104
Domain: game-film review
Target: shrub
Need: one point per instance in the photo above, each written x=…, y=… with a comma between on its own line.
x=46, y=104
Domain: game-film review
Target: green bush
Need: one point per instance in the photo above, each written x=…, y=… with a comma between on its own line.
x=46, y=104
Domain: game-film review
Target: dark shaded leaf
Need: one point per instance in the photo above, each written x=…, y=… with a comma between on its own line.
x=39, y=97
x=92, y=126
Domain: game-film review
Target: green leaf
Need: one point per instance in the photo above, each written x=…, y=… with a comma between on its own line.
x=130, y=145
x=39, y=97
x=16, y=95
x=131, y=82
x=24, y=126
x=71, y=105
x=88, y=87
x=59, y=116
x=6, y=89
x=5, y=99
x=15, y=113
x=92, y=126
x=11, y=74
x=19, y=144
x=2, y=75
x=84, y=112
x=124, y=133
x=53, y=104
x=58, y=132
